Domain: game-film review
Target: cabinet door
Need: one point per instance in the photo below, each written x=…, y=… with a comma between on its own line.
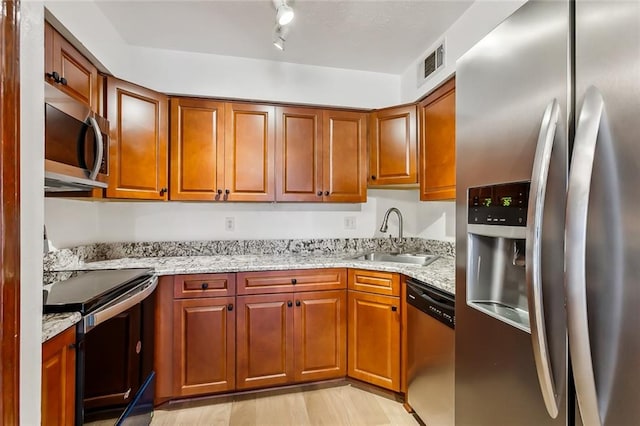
x=204, y=345
x=249, y=150
x=344, y=156
x=298, y=154
x=81, y=77
x=59, y=379
x=264, y=340
x=320, y=335
x=393, y=143
x=197, y=149
x=138, y=141
x=374, y=339
x=438, y=144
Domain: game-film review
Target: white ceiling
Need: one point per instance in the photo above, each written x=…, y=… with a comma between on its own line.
x=371, y=35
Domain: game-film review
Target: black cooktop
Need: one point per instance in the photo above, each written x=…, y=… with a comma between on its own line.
x=88, y=290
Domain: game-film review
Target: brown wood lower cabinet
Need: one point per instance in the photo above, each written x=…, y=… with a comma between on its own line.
x=374, y=339
x=265, y=340
x=204, y=345
x=59, y=379
x=320, y=338
x=291, y=337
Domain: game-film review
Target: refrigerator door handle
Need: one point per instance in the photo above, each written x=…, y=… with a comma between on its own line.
x=587, y=130
x=533, y=262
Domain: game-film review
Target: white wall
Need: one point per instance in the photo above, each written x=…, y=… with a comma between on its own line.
x=31, y=207
x=221, y=76
x=71, y=222
x=476, y=22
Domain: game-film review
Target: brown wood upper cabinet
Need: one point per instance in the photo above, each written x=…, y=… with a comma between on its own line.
x=393, y=146
x=249, y=152
x=138, y=141
x=221, y=151
x=299, y=154
x=59, y=379
x=68, y=70
x=320, y=155
x=197, y=149
x=438, y=144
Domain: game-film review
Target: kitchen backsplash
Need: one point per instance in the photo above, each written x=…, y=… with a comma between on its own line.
x=66, y=259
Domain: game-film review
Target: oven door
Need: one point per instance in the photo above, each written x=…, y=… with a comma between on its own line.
x=115, y=360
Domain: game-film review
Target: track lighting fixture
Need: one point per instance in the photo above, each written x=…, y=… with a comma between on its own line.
x=284, y=12
x=279, y=36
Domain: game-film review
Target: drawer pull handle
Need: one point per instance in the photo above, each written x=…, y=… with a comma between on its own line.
x=205, y=286
x=294, y=281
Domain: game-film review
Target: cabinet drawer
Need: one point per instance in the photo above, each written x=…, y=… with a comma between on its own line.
x=204, y=285
x=291, y=280
x=387, y=283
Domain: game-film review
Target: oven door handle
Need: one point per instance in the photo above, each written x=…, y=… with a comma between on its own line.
x=119, y=305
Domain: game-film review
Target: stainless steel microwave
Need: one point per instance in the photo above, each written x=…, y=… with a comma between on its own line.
x=76, y=148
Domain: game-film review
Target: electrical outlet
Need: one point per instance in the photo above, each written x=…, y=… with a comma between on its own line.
x=229, y=223
x=350, y=222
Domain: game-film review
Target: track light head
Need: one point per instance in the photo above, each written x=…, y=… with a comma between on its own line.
x=284, y=12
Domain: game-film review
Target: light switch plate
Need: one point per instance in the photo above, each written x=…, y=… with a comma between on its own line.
x=229, y=223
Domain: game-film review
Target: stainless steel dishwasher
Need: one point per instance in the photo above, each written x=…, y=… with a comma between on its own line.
x=430, y=353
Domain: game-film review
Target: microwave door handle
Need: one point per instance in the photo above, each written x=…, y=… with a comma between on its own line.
x=533, y=257
x=99, y=150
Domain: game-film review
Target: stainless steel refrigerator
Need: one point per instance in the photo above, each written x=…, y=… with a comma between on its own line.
x=548, y=218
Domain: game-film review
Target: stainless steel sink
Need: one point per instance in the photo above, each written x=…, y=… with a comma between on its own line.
x=411, y=258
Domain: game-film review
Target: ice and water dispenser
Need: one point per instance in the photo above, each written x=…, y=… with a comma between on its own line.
x=496, y=282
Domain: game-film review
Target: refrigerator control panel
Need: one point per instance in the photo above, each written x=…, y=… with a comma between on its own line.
x=504, y=204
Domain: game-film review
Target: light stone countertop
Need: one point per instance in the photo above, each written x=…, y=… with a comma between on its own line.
x=54, y=324
x=440, y=273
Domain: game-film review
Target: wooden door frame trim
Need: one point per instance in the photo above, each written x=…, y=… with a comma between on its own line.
x=10, y=212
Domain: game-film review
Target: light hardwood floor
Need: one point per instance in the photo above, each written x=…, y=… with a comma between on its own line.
x=334, y=406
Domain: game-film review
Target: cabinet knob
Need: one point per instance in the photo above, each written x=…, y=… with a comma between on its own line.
x=289, y=303
x=226, y=191
x=373, y=178
x=53, y=76
x=326, y=192
x=297, y=303
x=394, y=308
x=319, y=193
x=230, y=307
x=205, y=286
x=63, y=81
x=294, y=281
x=163, y=191
x=219, y=191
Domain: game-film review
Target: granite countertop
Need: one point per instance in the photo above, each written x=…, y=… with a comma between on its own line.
x=440, y=273
x=54, y=324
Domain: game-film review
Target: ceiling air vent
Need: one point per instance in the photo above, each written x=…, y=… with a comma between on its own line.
x=430, y=64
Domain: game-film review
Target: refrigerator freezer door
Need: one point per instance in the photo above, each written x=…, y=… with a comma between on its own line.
x=607, y=63
x=504, y=84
